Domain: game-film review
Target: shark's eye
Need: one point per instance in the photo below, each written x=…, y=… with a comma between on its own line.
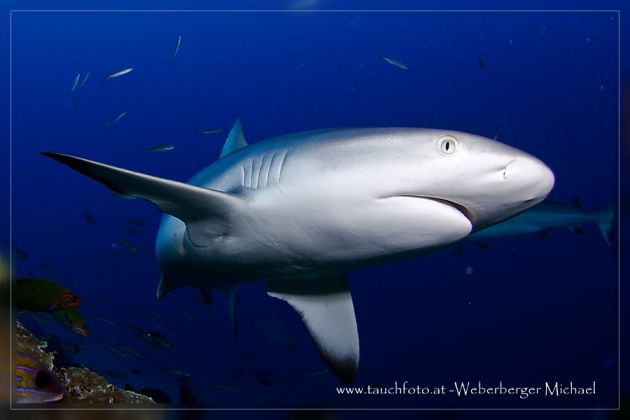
x=447, y=145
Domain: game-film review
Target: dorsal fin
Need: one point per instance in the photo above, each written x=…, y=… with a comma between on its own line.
x=325, y=305
x=236, y=139
x=207, y=213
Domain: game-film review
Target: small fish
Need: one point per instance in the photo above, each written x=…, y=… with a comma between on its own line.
x=123, y=196
x=21, y=254
x=225, y=387
x=118, y=73
x=35, y=383
x=315, y=373
x=179, y=374
x=141, y=311
x=89, y=219
x=210, y=131
x=125, y=246
x=105, y=320
x=136, y=221
x=115, y=120
x=87, y=76
x=114, y=350
x=156, y=339
x=179, y=42
x=75, y=84
x=131, y=351
x=40, y=295
x=482, y=64
x=132, y=231
x=72, y=95
x=395, y=63
x=159, y=148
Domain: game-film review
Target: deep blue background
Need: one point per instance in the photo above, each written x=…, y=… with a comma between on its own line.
x=533, y=310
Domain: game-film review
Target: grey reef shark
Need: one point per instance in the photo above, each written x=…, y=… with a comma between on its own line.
x=300, y=211
x=548, y=215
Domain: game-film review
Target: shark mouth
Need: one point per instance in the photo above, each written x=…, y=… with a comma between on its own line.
x=468, y=213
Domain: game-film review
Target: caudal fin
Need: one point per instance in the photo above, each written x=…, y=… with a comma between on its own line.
x=605, y=222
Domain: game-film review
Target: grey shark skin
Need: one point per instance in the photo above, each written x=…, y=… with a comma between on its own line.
x=301, y=210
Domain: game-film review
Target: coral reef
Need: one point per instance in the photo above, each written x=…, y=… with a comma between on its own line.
x=85, y=386
x=82, y=386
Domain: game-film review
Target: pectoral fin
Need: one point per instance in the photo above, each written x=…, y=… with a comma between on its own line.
x=325, y=305
x=206, y=212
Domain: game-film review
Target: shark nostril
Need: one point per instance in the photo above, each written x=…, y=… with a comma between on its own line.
x=505, y=170
x=534, y=177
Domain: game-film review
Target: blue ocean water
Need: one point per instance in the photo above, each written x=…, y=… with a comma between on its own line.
x=528, y=311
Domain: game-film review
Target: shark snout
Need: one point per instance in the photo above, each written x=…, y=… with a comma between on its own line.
x=531, y=179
